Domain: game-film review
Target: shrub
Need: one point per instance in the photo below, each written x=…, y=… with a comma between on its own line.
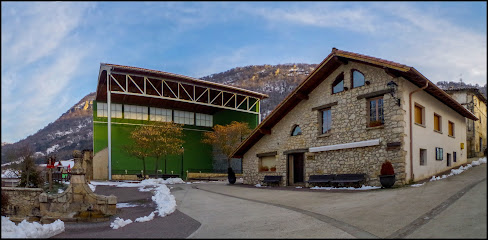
x=5, y=203
x=387, y=168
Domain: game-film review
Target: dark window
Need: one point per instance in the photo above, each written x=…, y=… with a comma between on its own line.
x=296, y=131
x=338, y=84
x=448, y=159
x=376, y=115
x=357, y=79
x=326, y=120
x=454, y=156
x=439, y=153
x=423, y=157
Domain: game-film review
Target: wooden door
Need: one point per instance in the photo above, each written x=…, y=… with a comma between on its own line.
x=298, y=168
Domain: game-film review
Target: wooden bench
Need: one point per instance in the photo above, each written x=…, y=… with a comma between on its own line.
x=354, y=179
x=164, y=176
x=321, y=179
x=272, y=179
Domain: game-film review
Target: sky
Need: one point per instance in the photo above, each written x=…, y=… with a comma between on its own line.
x=51, y=51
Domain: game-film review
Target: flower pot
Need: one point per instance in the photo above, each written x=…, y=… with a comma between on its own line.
x=387, y=181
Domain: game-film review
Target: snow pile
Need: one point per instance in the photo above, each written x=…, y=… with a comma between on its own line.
x=165, y=201
x=146, y=218
x=347, y=188
x=30, y=230
x=460, y=169
x=119, y=222
x=259, y=185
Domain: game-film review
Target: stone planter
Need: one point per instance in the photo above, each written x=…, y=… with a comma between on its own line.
x=387, y=181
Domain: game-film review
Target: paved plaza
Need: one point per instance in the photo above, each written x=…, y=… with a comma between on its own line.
x=454, y=207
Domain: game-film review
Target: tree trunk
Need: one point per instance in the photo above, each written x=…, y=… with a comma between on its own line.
x=156, y=168
x=144, y=168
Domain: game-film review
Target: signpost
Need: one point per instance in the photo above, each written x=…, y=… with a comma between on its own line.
x=50, y=166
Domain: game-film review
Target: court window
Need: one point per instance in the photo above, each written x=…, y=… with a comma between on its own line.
x=183, y=117
x=115, y=110
x=204, y=120
x=160, y=114
x=135, y=112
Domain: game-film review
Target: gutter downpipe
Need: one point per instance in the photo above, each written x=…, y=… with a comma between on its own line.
x=410, y=115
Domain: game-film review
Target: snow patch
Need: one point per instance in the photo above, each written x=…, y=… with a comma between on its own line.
x=30, y=230
x=52, y=149
x=146, y=218
x=119, y=222
x=165, y=201
x=460, y=169
x=125, y=205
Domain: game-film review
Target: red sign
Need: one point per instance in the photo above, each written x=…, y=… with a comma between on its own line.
x=50, y=163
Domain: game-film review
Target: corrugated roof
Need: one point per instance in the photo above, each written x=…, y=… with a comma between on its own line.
x=326, y=67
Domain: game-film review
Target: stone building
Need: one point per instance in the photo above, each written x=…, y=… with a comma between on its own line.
x=475, y=102
x=351, y=114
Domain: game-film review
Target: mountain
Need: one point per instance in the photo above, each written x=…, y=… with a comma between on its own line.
x=73, y=130
x=275, y=80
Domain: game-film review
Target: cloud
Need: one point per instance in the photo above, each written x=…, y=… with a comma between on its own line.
x=41, y=55
x=326, y=15
x=439, y=48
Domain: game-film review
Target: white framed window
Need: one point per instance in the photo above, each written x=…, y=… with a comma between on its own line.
x=204, y=120
x=115, y=110
x=160, y=114
x=184, y=117
x=102, y=109
x=135, y=112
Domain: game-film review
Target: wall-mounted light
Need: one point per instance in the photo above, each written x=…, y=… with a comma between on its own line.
x=393, y=89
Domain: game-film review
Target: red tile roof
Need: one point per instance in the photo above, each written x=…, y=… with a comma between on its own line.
x=326, y=67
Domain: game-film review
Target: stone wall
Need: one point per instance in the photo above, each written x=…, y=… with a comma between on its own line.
x=23, y=202
x=349, y=124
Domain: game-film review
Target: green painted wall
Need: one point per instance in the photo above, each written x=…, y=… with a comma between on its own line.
x=197, y=155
